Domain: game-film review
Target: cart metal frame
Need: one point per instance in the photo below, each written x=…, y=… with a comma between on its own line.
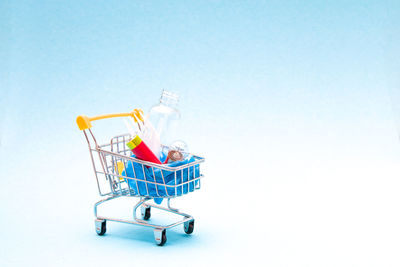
x=110, y=160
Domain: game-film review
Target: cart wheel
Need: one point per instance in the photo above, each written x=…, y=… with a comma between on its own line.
x=160, y=236
x=145, y=213
x=188, y=227
x=100, y=227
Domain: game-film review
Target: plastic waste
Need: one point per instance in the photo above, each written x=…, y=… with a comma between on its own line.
x=139, y=125
x=141, y=150
x=177, y=151
x=165, y=117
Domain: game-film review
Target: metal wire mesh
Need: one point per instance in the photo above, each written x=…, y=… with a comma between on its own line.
x=118, y=173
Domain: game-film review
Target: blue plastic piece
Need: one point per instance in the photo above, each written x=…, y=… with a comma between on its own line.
x=167, y=189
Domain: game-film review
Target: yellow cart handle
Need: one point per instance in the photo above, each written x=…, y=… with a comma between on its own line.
x=84, y=122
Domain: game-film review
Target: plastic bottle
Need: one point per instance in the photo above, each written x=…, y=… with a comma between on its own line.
x=165, y=117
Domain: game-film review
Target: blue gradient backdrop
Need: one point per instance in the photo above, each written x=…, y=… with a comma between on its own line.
x=294, y=104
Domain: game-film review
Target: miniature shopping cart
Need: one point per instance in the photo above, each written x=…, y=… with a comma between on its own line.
x=113, y=167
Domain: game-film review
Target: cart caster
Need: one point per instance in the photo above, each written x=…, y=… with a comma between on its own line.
x=145, y=212
x=160, y=236
x=188, y=227
x=100, y=226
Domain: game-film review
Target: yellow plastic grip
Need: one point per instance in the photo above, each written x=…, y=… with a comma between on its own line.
x=84, y=122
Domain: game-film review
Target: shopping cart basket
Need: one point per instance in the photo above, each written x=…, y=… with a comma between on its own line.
x=111, y=163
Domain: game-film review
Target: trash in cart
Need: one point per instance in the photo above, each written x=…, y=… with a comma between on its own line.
x=147, y=162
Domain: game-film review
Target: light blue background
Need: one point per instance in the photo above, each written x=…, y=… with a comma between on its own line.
x=294, y=104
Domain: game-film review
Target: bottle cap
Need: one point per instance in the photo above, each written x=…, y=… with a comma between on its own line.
x=134, y=142
x=174, y=155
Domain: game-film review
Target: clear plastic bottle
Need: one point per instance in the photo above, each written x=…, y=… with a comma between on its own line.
x=165, y=117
